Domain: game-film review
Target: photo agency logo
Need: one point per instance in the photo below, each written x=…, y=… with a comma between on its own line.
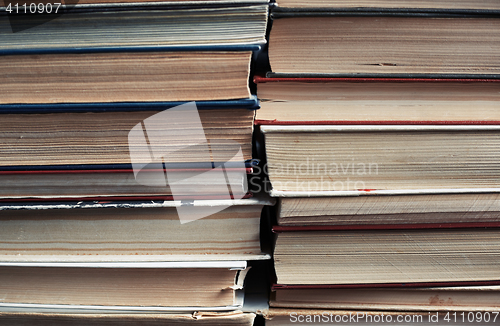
x=23, y=16
x=158, y=146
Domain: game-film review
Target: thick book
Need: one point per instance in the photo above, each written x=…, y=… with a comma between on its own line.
x=132, y=231
x=124, y=76
x=106, y=137
x=326, y=44
x=421, y=6
x=293, y=316
x=377, y=101
x=388, y=212
x=91, y=25
x=465, y=298
x=79, y=318
x=30, y=183
x=387, y=258
x=125, y=287
x=336, y=160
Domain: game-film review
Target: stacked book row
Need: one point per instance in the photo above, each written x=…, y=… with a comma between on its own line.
x=126, y=143
x=131, y=137
x=381, y=131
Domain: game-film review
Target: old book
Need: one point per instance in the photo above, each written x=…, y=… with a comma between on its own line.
x=291, y=316
x=121, y=184
x=232, y=318
x=324, y=44
x=189, y=286
x=465, y=298
x=382, y=257
x=103, y=138
x=403, y=211
x=420, y=5
x=77, y=25
x=132, y=231
x=329, y=160
x=124, y=77
x=377, y=101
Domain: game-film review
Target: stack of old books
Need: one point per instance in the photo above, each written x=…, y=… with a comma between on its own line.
x=381, y=129
x=120, y=123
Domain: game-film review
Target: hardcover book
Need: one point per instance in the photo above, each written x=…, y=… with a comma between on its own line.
x=465, y=298
x=336, y=160
x=384, y=258
x=389, y=212
x=421, y=6
x=290, y=316
x=405, y=45
x=374, y=101
x=232, y=318
x=132, y=287
x=77, y=25
x=113, y=231
x=124, y=77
